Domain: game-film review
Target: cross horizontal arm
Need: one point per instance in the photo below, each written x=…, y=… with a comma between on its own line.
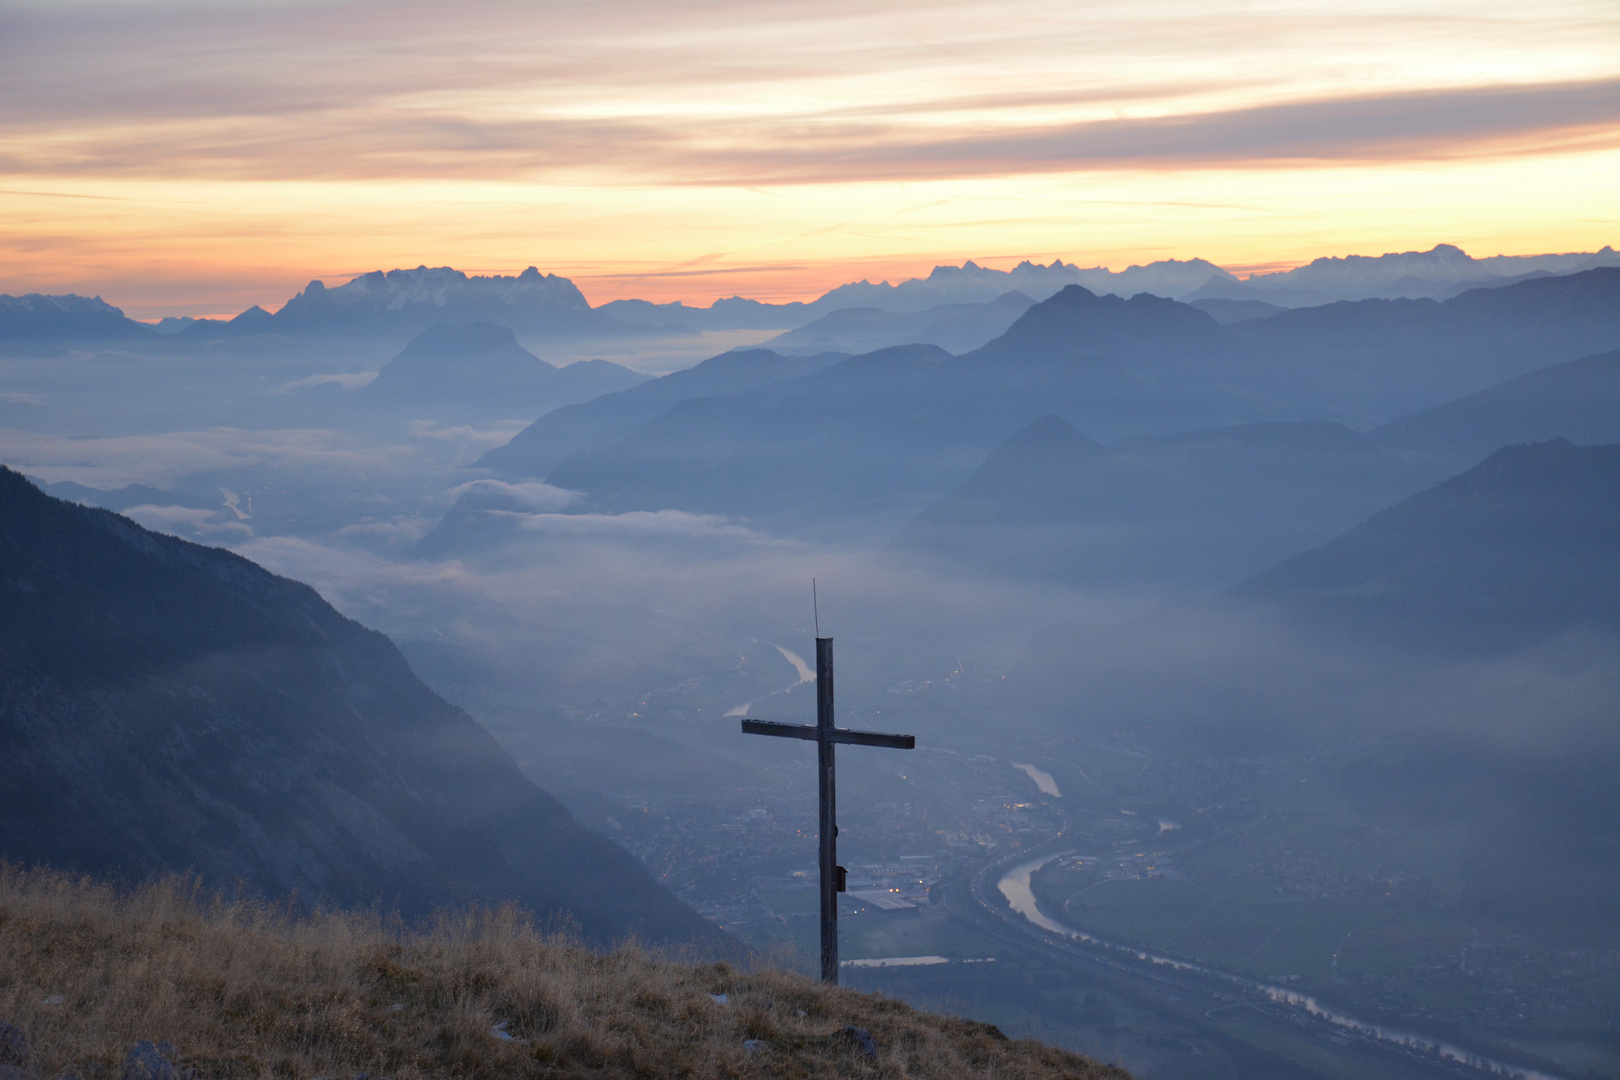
x=785, y=731
x=873, y=738
x=838, y=735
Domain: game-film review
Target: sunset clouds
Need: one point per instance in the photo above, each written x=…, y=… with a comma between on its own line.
x=171, y=153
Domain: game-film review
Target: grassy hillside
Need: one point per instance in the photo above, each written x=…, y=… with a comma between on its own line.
x=246, y=990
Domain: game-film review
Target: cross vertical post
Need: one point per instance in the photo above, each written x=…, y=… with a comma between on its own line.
x=826, y=773
x=827, y=735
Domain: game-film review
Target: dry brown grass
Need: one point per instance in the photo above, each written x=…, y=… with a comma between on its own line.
x=247, y=991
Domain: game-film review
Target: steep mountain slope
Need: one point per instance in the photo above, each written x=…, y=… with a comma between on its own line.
x=1199, y=508
x=1578, y=400
x=482, y=361
x=1519, y=549
x=590, y=425
x=165, y=707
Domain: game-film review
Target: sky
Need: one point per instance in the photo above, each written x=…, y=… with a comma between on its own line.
x=197, y=158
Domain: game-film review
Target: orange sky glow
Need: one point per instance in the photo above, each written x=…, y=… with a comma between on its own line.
x=192, y=158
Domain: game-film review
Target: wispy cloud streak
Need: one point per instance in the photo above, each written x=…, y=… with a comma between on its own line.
x=732, y=94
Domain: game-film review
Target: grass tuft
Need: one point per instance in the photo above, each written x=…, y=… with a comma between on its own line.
x=251, y=991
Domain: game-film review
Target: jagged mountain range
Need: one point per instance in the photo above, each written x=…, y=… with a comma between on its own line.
x=881, y=434
x=171, y=707
x=402, y=302
x=1440, y=273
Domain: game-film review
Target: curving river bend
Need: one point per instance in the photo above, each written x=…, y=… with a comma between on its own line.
x=1014, y=885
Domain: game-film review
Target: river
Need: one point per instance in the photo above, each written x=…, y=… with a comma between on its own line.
x=1015, y=886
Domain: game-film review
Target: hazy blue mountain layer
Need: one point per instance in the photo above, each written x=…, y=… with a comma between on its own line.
x=1200, y=508
x=1227, y=312
x=591, y=425
x=1578, y=400
x=171, y=707
x=1372, y=361
x=956, y=328
x=482, y=362
x=1518, y=549
x=868, y=442
x=731, y=313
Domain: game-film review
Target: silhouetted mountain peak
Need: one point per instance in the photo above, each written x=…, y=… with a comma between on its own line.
x=1077, y=320
x=440, y=343
x=477, y=359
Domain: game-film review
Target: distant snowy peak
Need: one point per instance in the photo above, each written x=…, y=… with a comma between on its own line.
x=406, y=302
x=38, y=316
x=444, y=286
x=1441, y=272
x=971, y=283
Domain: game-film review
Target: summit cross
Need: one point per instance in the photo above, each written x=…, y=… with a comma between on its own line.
x=826, y=737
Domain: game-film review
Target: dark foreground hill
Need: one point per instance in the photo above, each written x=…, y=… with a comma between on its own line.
x=239, y=990
x=171, y=707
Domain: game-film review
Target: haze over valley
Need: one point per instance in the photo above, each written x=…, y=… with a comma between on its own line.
x=1281, y=638
x=435, y=439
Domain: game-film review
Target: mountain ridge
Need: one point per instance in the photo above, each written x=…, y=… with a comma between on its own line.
x=166, y=706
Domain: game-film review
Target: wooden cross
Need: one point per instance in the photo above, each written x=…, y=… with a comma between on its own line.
x=826, y=737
